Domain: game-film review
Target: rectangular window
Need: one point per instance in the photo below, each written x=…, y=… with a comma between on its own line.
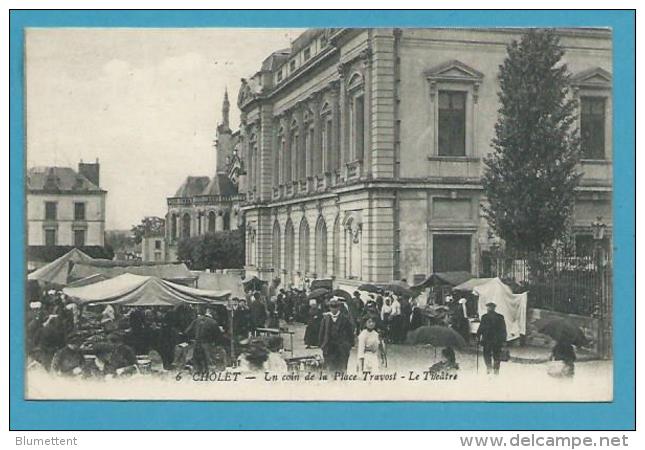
x=50, y=237
x=307, y=53
x=50, y=210
x=451, y=253
x=292, y=65
x=452, y=123
x=592, y=127
x=157, y=245
x=280, y=75
x=79, y=211
x=359, y=126
x=79, y=238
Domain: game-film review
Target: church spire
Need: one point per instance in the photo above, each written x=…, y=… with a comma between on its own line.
x=226, y=106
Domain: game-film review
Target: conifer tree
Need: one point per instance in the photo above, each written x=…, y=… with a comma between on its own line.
x=531, y=176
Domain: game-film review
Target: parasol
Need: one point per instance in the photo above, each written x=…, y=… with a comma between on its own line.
x=342, y=293
x=317, y=293
x=370, y=288
x=562, y=330
x=399, y=288
x=437, y=336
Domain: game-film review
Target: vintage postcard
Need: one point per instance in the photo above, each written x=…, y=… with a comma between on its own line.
x=329, y=214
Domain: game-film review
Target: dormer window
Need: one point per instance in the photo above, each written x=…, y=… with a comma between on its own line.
x=307, y=53
x=292, y=65
x=280, y=75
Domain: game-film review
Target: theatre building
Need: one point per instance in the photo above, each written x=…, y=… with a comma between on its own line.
x=363, y=150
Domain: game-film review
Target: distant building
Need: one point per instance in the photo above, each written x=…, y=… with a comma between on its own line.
x=153, y=242
x=203, y=204
x=65, y=207
x=364, y=150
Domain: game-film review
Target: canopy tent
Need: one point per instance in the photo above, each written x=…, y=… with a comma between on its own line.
x=174, y=272
x=88, y=280
x=255, y=284
x=138, y=290
x=221, y=281
x=511, y=306
x=57, y=271
x=439, y=279
x=471, y=284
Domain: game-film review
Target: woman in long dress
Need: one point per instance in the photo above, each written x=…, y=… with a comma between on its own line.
x=368, y=347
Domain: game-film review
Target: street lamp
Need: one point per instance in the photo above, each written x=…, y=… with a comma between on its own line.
x=599, y=228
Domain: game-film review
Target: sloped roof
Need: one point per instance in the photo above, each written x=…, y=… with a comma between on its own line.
x=192, y=186
x=57, y=271
x=220, y=184
x=111, y=269
x=275, y=59
x=58, y=179
x=136, y=290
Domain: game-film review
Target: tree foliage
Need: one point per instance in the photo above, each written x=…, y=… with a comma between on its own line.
x=530, y=177
x=219, y=250
x=149, y=226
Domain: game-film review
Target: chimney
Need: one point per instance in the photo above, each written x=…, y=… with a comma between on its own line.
x=90, y=171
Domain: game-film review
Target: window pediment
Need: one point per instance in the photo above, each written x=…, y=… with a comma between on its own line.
x=454, y=71
x=596, y=77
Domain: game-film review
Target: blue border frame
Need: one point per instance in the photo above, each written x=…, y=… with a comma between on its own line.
x=619, y=414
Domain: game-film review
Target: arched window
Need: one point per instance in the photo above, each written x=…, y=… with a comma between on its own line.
x=294, y=146
x=356, y=117
x=289, y=248
x=336, y=255
x=326, y=139
x=321, y=247
x=253, y=148
x=309, y=144
x=278, y=157
x=185, y=226
x=173, y=227
x=303, y=239
x=211, y=222
x=276, y=246
x=227, y=220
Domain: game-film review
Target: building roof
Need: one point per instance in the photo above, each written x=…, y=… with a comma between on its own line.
x=192, y=186
x=220, y=184
x=59, y=179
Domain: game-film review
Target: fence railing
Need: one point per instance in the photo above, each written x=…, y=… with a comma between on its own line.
x=569, y=284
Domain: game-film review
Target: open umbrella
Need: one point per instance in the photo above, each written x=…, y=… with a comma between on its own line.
x=399, y=288
x=370, y=288
x=437, y=336
x=342, y=293
x=254, y=284
x=317, y=293
x=562, y=330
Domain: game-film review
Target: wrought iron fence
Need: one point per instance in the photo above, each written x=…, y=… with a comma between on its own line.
x=558, y=282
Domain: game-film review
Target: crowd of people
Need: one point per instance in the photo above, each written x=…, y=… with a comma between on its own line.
x=110, y=340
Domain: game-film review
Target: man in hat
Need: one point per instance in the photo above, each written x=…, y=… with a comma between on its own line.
x=336, y=337
x=492, y=332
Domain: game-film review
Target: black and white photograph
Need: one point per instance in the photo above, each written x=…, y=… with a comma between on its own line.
x=319, y=214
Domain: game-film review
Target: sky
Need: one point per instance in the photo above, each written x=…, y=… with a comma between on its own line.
x=145, y=102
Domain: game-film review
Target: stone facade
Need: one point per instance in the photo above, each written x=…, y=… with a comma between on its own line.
x=205, y=205
x=351, y=169
x=65, y=207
